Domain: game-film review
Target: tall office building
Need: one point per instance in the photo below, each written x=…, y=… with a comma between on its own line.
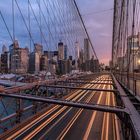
x=94, y=65
x=81, y=59
x=44, y=63
x=61, y=51
x=4, y=49
x=52, y=55
x=81, y=56
x=12, y=47
x=52, y=61
x=34, y=63
x=64, y=66
x=86, y=50
x=65, y=52
x=38, y=49
x=77, y=53
x=5, y=62
x=36, y=59
x=19, y=60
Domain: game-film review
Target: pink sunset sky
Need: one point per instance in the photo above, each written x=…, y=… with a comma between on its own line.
x=98, y=18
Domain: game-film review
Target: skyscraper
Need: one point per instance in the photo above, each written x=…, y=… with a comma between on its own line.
x=19, y=60
x=64, y=66
x=44, y=63
x=5, y=62
x=12, y=47
x=34, y=63
x=4, y=49
x=61, y=51
x=38, y=49
x=52, y=55
x=77, y=53
x=86, y=49
x=65, y=52
x=81, y=59
x=36, y=59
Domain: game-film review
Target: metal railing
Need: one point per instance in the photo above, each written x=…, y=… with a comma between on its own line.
x=132, y=84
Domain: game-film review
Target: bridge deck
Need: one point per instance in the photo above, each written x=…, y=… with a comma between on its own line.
x=89, y=101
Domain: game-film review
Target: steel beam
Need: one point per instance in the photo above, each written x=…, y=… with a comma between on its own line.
x=18, y=89
x=88, y=106
x=87, y=80
x=80, y=88
x=59, y=86
x=15, y=89
x=82, y=82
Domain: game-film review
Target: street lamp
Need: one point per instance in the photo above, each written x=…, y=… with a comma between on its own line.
x=139, y=64
x=139, y=61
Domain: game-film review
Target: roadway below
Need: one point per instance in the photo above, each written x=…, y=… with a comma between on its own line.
x=68, y=123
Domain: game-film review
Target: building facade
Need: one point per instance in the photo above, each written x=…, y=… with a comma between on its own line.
x=77, y=54
x=44, y=63
x=38, y=49
x=34, y=63
x=19, y=60
x=86, y=50
x=61, y=51
x=133, y=52
x=5, y=62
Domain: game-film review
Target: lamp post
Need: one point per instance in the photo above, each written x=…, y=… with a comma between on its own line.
x=139, y=64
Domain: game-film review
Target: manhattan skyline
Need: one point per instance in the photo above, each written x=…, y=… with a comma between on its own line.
x=97, y=21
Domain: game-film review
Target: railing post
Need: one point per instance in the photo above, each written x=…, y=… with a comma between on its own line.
x=135, y=87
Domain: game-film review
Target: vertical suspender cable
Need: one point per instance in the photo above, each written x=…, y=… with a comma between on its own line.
x=133, y=41
x=29, y=19
x=13, y=19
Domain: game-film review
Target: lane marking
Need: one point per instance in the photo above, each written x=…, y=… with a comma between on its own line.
x=104, y=122
x=53, y=109
x=67, y=128
x=58, y=121
x=116, y=120
x=108, y=116
x=45, y=116
x=21, y=131
x=92, y=118
x=44, y=124
x=37, y=130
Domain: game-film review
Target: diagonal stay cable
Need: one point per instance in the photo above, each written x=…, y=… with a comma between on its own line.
x=38, y=23
x=24, y=21
x=78, y=12
x=6, y=25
